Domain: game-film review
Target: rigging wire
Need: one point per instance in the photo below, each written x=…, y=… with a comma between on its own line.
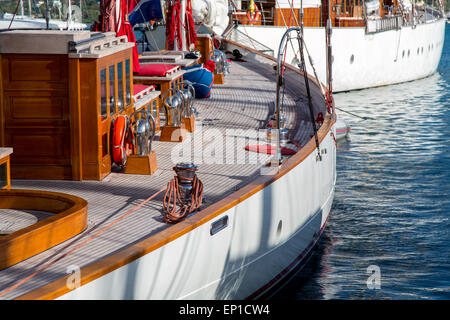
x=15, y=12
x=355, y=115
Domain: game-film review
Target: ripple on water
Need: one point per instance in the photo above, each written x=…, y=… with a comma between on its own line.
x=392, y=197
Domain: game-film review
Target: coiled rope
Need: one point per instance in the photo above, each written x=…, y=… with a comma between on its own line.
x=172, y=198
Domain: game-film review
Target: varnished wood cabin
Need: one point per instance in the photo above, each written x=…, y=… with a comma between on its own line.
x=344, y=13
x=60, y=92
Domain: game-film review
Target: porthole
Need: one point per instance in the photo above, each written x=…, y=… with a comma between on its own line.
x=408, y=52
x=422, y=50
x=352, y=58
x=418, y=51
x=403, y=54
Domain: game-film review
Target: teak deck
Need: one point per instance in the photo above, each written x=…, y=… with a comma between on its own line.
x=241, y=104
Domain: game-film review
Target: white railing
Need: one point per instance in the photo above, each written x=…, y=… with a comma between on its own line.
x=375, y=25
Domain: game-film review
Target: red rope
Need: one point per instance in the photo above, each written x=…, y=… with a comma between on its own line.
x=201, y=23
x=191, y=34
x=334, y=138
x=173, y=29
x=330, y=97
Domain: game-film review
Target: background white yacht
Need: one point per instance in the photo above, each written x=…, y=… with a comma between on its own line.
x=374, y=43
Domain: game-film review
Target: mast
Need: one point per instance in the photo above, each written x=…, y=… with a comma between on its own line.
x=328, y=32
x=183, y=30
x=29, y=8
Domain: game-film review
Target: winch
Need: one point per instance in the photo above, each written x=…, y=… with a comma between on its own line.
x=144, y=131
x=219, y=61
x=173, y=102
x=222, y=65
x=188, y=113
x=173, y=107
x=184, y=190
x=188, y=93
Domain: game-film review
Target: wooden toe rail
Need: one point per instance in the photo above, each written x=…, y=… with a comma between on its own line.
x=69, y=219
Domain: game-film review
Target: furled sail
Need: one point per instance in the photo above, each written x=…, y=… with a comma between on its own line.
x=212, y=13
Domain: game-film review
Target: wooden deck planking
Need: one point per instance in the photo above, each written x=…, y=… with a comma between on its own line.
x=241, y=103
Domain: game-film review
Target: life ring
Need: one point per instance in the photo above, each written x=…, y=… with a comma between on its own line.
x=119, y=151
x=252, y=15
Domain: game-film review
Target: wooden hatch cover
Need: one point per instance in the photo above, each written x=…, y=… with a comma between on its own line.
x=68, y=218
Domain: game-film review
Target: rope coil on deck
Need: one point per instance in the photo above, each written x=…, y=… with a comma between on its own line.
x=173, y=195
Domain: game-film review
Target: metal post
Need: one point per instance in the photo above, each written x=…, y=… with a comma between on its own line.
x=183, y=30
x=329, y=51
x=47, y=14
x=69, y=17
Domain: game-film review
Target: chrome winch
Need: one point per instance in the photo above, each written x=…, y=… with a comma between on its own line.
x=184, y=190
x=173, y=107
x=218, y=61
x=144, y=131
x=188, y=94
x=185, y=175
x=221, y=62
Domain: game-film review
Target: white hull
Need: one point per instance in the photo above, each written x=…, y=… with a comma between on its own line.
x=378, y=59
x=244, y=259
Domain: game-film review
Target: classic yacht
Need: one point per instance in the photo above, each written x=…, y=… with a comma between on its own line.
x=375, y=43
x=218, y=197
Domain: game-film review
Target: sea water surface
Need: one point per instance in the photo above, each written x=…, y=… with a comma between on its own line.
x=390, y=216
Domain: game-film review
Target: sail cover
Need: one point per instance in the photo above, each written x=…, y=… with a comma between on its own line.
x=213, y=13
x=144, y=11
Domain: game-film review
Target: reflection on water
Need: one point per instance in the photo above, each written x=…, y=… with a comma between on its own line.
x=392, y=202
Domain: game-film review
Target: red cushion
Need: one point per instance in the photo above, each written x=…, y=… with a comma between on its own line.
x=139, y=87
x=155, y=70
x=269, y=149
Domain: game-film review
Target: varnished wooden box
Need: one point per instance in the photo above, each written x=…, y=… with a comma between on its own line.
x=60, y=91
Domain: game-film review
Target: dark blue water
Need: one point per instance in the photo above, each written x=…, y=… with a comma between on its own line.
x=392, y=202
